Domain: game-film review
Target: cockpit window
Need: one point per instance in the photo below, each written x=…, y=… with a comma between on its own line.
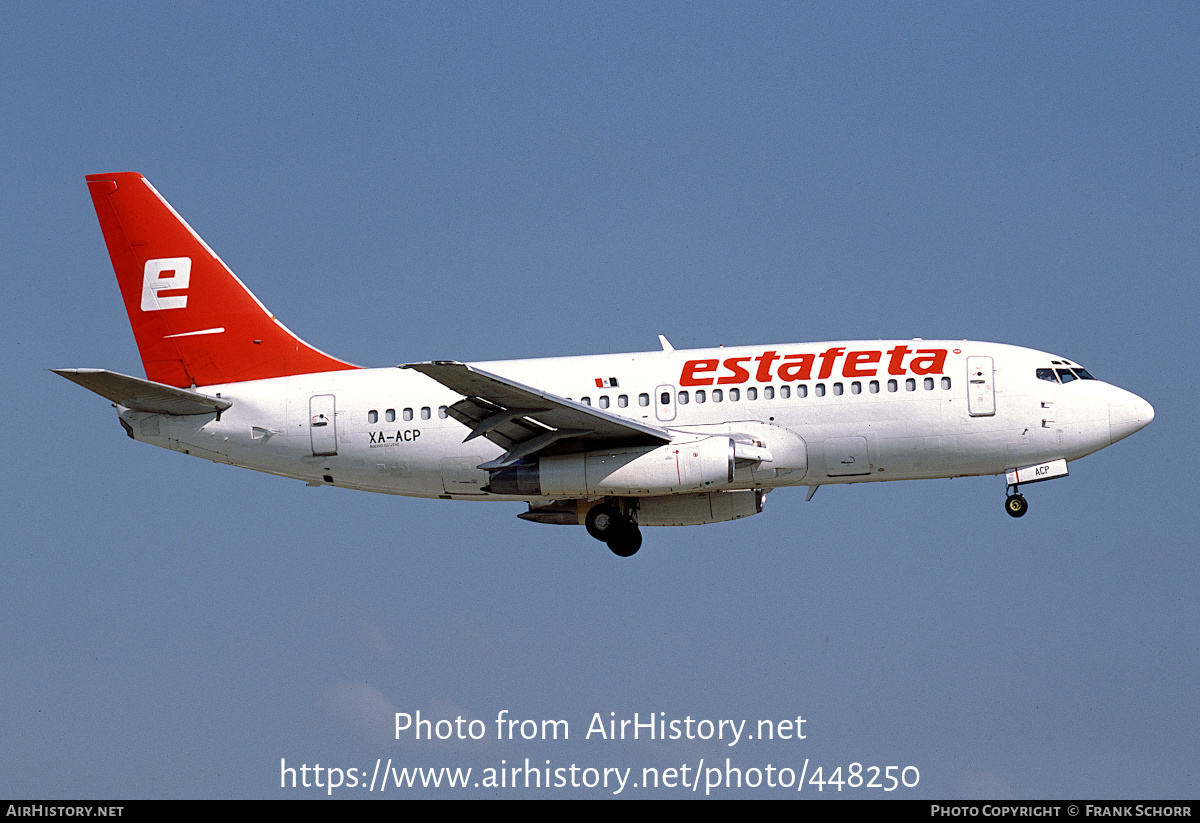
x=1063, y=375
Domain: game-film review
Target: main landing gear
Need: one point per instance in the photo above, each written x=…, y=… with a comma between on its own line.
x=606, y=523
x=1015, y=503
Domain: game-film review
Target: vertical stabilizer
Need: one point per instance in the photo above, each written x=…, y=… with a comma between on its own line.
x=195, y=323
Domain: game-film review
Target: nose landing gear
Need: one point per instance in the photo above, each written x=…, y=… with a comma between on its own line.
x=1015, y=503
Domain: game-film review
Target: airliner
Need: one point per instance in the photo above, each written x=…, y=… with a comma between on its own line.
x=612, y=442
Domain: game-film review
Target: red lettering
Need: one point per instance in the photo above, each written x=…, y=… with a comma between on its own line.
x=827, y=358
x=855, y=358
x=800, y=370
x=689, y=378
x=764, y=360
x=896, y=359
x=933, y=361
x=740, y=374
x=794, y=367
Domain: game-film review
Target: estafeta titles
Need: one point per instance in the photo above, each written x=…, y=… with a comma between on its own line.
x=771, y=365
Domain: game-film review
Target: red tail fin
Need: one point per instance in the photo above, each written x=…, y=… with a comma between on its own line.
x=195, y=323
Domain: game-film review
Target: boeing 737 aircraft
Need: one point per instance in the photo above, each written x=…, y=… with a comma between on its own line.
x=612, y=442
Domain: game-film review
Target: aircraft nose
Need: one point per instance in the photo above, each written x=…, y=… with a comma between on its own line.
x=1127, y=413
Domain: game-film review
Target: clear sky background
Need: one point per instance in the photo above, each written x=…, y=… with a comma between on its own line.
x=403, y=182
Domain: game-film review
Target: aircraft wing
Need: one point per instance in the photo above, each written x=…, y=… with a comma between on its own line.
x=144, y=395
x=525, y=421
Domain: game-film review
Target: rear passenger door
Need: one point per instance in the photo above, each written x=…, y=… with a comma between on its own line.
x=322, y=424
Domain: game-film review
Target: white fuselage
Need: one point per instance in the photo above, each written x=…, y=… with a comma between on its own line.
x=842, y=412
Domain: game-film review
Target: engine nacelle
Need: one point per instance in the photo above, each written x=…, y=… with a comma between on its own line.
x=698, y=509
x=693, y=509
x=670, y=469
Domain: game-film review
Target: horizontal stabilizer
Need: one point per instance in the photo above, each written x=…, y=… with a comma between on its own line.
x=144, y=395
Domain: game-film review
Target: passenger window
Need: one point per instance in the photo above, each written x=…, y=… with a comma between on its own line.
x=665, y=399
x=819, y=390
x=785, y=392
x=604, y=401
x=945, y=382
x=623, y=400
x=837, y=389
x=587, y=401
x=928, y=384
x=874, y=384
x=802, y=391
x=701, y=396
x=408, y=415
x=425, y=412
x=910, y=384
x=718, y=395
x=372, y=416
x=735, y=394
x=893, y=385
x=442, y=412
x=644, y=399
x=683, y=398
x=390, y=415
x=751, y=393
x=856, y=387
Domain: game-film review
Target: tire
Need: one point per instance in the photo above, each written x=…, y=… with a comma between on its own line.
x=626, y=542
x=1016, y=506
x=603, y=521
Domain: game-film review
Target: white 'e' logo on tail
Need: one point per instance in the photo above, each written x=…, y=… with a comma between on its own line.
x=164, y=274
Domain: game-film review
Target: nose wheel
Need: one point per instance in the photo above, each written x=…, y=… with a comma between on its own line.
x=1015, y=504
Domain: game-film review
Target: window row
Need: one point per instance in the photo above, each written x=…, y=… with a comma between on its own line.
x=389, y=415
x=622, y=400
x=818, y=390
x=719, y=395
x=770, y=392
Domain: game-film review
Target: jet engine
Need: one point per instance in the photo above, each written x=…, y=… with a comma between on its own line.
x=691, y=509
x=670, y=469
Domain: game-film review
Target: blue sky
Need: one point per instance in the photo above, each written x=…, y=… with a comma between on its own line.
x=402, y=182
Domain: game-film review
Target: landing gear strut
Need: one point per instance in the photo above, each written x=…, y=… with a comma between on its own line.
x=605, y=522
x=1015, y=503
